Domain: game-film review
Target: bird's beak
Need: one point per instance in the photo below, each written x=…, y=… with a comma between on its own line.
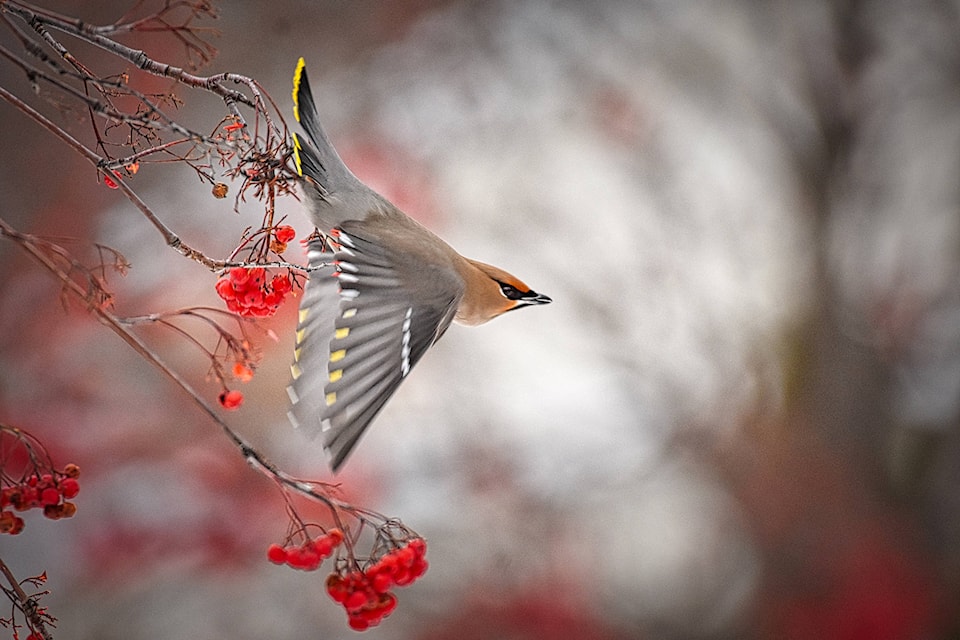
x=536, y=298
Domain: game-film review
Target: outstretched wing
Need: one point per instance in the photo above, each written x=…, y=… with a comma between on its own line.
x=360, y=334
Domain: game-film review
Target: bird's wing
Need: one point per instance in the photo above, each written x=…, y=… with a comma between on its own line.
x=360, y=334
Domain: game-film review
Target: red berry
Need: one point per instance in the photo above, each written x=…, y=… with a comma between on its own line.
x=381, y=582
x=276, y=554
x=388, y=602
x=13, y=525
x=29, y=498
x=257, y=275
x=49, y=496
x=6, y=521
x=69, y=487
x=225, y=289
x=239, y=275
x=242, y=372
x=281, y=284
x=357, y=623
x=273, y=299
x=323, y=546
x=418, y=568
x=311, y=559
x=53, y=511
x=405, y=556
x=402, y=577
x=231, y=399
x=285, y=234
x=355, y=600
x=388, y=563
x=336, y=536
x=418, y=545
x=303, y=558
x=251, y=297
x=336, y=588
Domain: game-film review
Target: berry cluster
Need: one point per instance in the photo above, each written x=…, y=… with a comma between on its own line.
x=48, y=491
x=309, y=555
x=366, y=594
x=248, y=293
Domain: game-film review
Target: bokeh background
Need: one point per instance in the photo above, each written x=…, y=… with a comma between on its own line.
x=738, y=419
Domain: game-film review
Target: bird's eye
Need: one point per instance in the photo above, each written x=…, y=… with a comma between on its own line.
x=510, y=291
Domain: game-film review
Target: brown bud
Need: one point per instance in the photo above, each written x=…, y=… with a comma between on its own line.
x=220, y=191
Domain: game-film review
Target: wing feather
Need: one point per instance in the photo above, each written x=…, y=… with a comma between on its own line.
x=353, y=353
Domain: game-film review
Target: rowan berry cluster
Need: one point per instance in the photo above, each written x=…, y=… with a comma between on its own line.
x=249, y=293
x=308, y=555
x=47, y=491
x=366, y=594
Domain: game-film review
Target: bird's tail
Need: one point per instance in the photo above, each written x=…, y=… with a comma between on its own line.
x=320, y=162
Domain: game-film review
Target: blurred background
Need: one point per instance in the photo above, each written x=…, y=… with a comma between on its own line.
x=738, y=419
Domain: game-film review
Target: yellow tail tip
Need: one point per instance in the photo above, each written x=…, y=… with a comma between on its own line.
x=297, y=74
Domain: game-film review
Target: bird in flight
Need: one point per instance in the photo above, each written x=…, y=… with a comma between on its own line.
x=395, y=289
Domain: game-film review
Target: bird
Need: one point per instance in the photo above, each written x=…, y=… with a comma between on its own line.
x=395, y=289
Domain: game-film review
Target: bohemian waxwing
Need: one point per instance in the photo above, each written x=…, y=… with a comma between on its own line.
x=397, y=287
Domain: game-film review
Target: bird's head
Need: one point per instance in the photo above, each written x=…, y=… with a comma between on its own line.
x=493, y=292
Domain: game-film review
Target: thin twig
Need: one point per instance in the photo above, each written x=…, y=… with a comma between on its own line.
x=27, y=604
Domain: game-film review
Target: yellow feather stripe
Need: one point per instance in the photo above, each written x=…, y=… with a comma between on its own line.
x=301, y=65
x=331, y=398
x=296, y=154
x=341, y=333
x=295, y=371
x=338, y=355
x=303, y=315
x=336, y=375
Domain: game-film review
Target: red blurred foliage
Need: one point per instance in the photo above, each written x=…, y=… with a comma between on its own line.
x=198, y=506
x=841, y=564
x=531, y=612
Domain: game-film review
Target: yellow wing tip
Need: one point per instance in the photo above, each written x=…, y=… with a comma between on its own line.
x=299, y=164
x=297, y=75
